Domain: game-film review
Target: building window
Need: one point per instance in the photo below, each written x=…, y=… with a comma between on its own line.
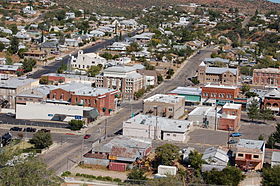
x=170, y=109
x=240, y=155
x=256, y=156
x=174, y=135
x=168, y=134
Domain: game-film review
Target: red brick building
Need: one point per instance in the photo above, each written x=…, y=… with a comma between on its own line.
x=231, y=116
x=220, y=92
x=272, y=101
x=266, y=77
x=53, y=78
x=103, y=99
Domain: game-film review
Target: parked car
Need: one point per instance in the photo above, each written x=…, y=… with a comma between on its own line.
x=15, y=129
x=87, y=136
x=235, y=134
x=30, y=129
x=232, y=141
x=45, y=130
x=10, y=114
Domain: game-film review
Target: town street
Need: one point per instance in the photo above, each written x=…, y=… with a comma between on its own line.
x=69, y=153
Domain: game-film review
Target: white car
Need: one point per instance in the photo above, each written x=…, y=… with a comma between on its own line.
x=59, y=59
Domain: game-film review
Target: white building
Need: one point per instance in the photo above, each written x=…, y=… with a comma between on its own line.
x=275, y=159
x=85, y=61
x=54, y=112
x=154, y=127
x=28, y=10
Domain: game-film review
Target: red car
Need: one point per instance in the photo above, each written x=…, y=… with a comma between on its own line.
x=87, y=136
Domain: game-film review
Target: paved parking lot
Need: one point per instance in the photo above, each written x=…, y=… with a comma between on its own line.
x=208, y=137
x=253, y=131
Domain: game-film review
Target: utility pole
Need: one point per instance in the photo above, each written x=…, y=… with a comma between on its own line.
x=216, y=116
x=105, y=131
x=155, y=135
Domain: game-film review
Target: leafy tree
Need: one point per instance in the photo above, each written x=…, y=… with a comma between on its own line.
x=159, y=78
x=13, y=28
x=9, y=61
x=270, y=142
x=266, y=114
x=107, y=55
x=2, y=47
x=139, y=93
x=28, y=64
x=41, y=140
x=261, y=137
x=30, y=171
x=276, y=134
x=76, y=124
x=62, y=68
x=195, y=159
x=251, y=94
x=13, y=49
x=137, y=174
x=245, y=88
x=169, y=180
x=271, y=176
x=195, y=81
x=167, y=154
x=253, y=110
x=94, y=70
x=228, y=176
x=44, y=80
x=133, y=47
x=21, y=52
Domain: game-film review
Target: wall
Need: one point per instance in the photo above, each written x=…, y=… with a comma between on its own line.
x=141, y=131
x=173, y=136
x=94, y=161
x=46, y=111
x=226, y=123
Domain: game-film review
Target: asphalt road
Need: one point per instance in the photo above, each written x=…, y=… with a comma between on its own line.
x=52, y=67
x=62, y=158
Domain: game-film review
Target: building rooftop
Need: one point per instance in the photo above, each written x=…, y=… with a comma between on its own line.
x=216, y=59
x=204, y=111
x=250, y=144
x=14, y=83
x=220, y=86
x=268, y=70
x=122, y=146
x=9, y=67
x=273, y=94
x=38, y=92
x=215, y=153
x=232, y=106
x=186, y=91
x=164, y=124
x=162, y=98
x=84, y=89
x=275, y=157
x=218, y=70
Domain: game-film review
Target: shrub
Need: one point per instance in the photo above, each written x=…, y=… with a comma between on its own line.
x=117, y=180
x=66, y=173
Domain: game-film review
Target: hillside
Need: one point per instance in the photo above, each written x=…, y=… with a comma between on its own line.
x=116, y=5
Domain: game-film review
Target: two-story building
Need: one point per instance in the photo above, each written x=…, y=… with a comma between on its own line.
x=266, y=77
x=158, y=128
x=85, y=61
x=249, y=154
x=170, y=106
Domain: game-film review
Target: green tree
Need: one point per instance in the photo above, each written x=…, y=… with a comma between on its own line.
x=94, y=70
x=28, y=64
x=195, y=81
x=159, y=78
x=62, y=68
x=137, y=174
x=245, y=88
x=76, y=124
x=139, y=93
x=13, y=49
x=228, y=176
x=253, y=110
x=261, y=137
x=133, y=47
x=2, y=47
x=44, y=80
x=30, y=171
x=276, y=134
x=21, y=52
x=195, y=159
x=167, y=154
x=271, y=176
x=266, y=114
x=270, y=142
x=41, y=140
x=251, y=94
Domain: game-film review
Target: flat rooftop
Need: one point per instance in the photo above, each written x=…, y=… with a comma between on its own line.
x=186, y=91
x=220, y=86
x=205, y=111
x=14, y=83
x=163, y=98
x=165, y=124
x=250, y=144
x=232, y=106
